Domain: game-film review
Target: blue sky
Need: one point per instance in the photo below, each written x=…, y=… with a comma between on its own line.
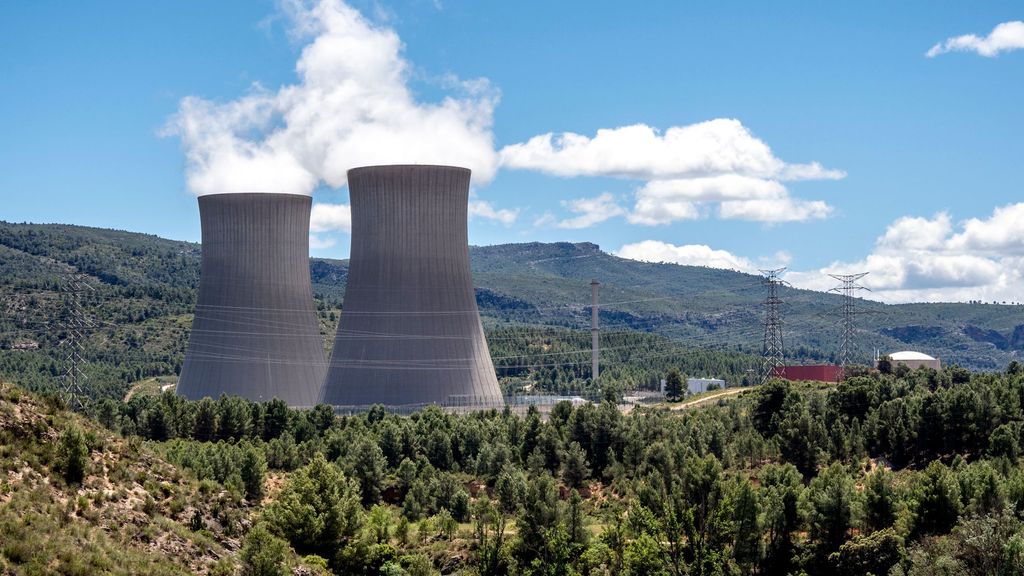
x=106, y=106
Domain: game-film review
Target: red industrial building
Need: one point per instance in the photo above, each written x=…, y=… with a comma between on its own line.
x=816, y=373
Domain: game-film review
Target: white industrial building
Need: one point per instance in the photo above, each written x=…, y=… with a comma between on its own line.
x=914, y=360
x=698, y=385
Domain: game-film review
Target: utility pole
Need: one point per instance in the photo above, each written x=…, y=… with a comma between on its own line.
x=848, y=310
x=594, y=339
x=74, y=324
x=773, y=357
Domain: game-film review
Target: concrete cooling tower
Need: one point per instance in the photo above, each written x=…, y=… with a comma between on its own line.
x=410, y=333
x=255, y=332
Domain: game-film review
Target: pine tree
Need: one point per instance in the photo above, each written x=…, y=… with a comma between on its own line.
x=879, y=501
x=674, y=385
x=575, y=469
x=747, y=526
x=318, y=510
x=253, y=469
x=262, y=553
x=575, y=524
x=72, y=454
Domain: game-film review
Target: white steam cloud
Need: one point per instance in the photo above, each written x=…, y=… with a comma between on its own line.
x=350, y=107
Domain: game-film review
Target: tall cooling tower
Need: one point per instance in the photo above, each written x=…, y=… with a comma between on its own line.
x=255, y=332
x=410, y=332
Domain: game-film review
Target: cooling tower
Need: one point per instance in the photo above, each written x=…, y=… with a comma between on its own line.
x=410, y=332
x=255, y=332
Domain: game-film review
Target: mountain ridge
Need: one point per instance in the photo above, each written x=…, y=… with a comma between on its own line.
x=539, y=283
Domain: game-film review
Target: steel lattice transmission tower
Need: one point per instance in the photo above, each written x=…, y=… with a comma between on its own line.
x=594, y=332
x=773, y=362
x=75, y=326
x=849, y=310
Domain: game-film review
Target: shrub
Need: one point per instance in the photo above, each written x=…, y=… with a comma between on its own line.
x=318, y=510
x=262, y=553
x=72, y=455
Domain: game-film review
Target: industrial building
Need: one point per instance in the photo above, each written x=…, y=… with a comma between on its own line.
x=255, y=332
x=914, y=360
x=410, y=332
x=698, y=385
x=815, y=373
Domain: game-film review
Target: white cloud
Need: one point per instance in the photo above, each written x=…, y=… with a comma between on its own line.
x=1003, y=233
x=720, y=146
x=915, y=233
x=652, y=211
x=484, y=209
x=320, y=242
x=779, y=259
x=330, y=217
x=773, y=210
x=915, y=260
x=715, y=188
x=685, y=168
x=1003, y=38
x=740, y=198
x=545, y=219
x=687, y=255
x=591, y=211
x=350, y=107
x=928, y=259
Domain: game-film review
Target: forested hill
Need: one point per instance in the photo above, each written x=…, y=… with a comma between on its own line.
x=154, y=279
x=726, y=306
x=549, y=283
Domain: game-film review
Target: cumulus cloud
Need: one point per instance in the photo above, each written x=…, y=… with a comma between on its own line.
x=931, y=259
x=685, y=168
x=720, y=146
x=590, y=211
x=916, y=259
x=783, y=209
x=687, y=255
x=321, y=243
x=484, y=209
x=351, y=106
x=330, y=217
x=916, y=233
x=1003, y=38
x=1003, y=233
x=739, y=197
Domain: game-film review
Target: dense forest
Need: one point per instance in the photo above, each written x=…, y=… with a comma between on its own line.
x=143, y=290
x=898, y=473
x=912, y=473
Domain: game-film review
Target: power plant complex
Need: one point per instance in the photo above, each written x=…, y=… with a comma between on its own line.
x=410, y=333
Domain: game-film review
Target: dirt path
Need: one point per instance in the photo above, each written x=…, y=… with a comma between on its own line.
x=706, y=399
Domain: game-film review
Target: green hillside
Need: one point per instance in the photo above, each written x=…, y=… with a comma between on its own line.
x=78, y=499
x=539, y=283
x=910, y=473
x=655, y=316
